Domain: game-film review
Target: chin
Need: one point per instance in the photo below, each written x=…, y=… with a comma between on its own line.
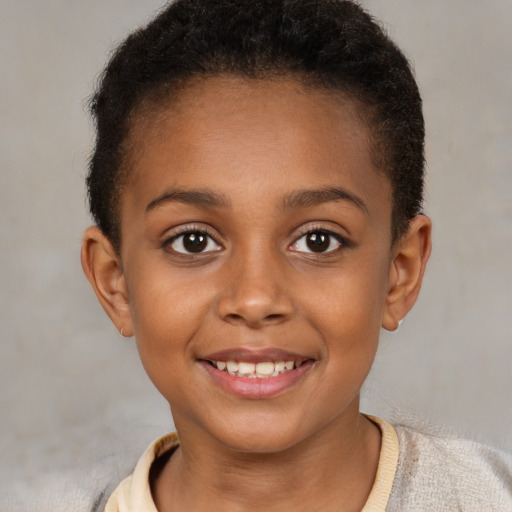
x=259, y=438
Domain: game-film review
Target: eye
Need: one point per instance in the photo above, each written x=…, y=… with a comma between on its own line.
x=317, y=241
x=193, y=242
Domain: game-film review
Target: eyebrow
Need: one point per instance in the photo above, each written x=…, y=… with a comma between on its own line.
x=195, y=197
x=313, y=197
x=295, y=200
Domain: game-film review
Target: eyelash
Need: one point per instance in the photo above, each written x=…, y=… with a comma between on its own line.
x=191, y=230
x=342, y=241
x=201, y=231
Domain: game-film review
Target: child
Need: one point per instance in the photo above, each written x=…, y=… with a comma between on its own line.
x=257, y=189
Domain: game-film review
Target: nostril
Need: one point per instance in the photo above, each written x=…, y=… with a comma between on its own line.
x=234, y=316
x=274, y=316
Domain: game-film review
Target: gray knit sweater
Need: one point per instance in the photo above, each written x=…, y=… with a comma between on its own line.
x=439, y=474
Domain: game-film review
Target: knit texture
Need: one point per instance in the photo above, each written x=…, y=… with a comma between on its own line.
x=449, y=475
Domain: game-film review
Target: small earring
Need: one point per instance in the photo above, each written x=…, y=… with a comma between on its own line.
x=398, y=324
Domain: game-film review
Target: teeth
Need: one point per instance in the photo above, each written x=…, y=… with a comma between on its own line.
x=280, y=366
x=232, y=367
x=265, y=369
x=246, y=368
x=262, y=370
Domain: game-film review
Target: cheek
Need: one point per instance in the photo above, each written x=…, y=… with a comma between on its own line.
x=166, y=312
x=161, y=297
x=347, y=307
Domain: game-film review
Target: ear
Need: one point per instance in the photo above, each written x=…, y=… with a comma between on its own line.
x=102, y=267
x=406, y=272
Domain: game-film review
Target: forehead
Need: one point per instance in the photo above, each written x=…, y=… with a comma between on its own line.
x=272, y=135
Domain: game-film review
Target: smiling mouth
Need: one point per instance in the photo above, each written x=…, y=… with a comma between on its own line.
x=261, y=370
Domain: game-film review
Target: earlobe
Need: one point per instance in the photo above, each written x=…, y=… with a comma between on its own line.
x=410, y=258
x=102, y=267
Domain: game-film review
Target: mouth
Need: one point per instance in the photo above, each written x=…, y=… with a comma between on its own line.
x=257, y=375
x=260, y=370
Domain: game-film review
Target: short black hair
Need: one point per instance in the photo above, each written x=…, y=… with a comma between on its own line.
x=332, y=44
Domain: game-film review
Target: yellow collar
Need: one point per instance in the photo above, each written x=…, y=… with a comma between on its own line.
x=134, y=493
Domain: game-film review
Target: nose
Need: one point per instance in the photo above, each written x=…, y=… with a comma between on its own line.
x=255, y=292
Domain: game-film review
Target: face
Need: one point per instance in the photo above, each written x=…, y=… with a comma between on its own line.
x=256, y=251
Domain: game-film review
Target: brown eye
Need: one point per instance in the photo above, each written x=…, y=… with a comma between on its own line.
x=317, y=242
x=194, y=242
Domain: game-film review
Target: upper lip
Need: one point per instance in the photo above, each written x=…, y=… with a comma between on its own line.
x=255, y=355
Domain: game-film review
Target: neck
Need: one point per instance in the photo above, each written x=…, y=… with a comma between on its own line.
x=337, y=466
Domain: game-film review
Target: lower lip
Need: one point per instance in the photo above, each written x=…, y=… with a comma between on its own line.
x=257, y=388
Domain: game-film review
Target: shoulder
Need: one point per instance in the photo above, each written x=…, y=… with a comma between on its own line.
x=449, y=473
x=133, y=494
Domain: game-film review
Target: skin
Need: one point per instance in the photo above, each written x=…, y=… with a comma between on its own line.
x=256, y=144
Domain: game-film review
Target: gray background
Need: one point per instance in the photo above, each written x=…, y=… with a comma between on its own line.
x=76, y=406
